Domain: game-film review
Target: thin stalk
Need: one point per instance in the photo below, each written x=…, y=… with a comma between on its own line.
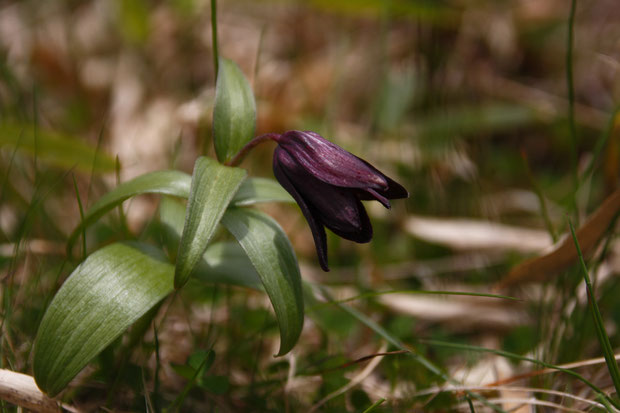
x=400, y=345
x=148, y=403
x=514, y=356
x=433, y=292
x=216, y=54
x=92, y=171
x=5, y=181
x=79, y=201
x=610, y=358
x=541, y=199
x=471, y=405
x=251, y=144
x=175, y=406
x=35, y=135
x=121, y=212
x=261, y=39
x=374, y=405
x=601, y=143
x=157, y=369
x=571, y=101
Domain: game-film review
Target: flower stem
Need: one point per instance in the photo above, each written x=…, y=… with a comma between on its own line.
x=216, y=55
x=572, y=128
x=251, y=144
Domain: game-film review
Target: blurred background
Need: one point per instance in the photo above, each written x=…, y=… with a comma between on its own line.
x=465, y=103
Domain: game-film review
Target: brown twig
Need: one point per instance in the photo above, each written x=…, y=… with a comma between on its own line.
x=21, y=390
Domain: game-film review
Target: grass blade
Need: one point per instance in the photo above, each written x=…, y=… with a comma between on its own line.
x=601, y=143
x=79, y=201
x=214, y=36
x=563, y=254
x=572, y=127
x=401, y=346
x=431, y=292
x=514, y=356
x=603, y=338
x=373, y=406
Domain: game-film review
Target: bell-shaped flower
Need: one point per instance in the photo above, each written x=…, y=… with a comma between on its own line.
x=329, y=183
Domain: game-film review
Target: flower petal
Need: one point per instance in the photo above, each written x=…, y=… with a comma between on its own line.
x=394, y=189
x=339, y=208
x=330, y=163
x=360, y=232
x=310, y=213
x=377, y=196
x=328, y=183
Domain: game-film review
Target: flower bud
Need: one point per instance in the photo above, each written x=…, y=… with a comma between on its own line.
x=328, y=183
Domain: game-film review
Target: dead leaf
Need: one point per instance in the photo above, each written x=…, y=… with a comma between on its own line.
x=460, y=313
x=469, y=234
x=565, y=254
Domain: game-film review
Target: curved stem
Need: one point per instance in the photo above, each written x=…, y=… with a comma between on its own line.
x=251, y=144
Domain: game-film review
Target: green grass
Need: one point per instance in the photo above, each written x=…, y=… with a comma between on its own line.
x=397, y=325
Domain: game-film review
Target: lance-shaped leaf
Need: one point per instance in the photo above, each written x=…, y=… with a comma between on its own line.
x=256, y=190
x=222, y=262
x=161, y=182
x=176, y=183
x=234, y=113
x=105, y=294
x=272, y=255
x=227, y=263
x=213, y=187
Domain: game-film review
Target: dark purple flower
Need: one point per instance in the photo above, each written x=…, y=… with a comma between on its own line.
x=328, y=183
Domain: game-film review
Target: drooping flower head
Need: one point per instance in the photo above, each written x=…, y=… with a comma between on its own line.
x=329, y=183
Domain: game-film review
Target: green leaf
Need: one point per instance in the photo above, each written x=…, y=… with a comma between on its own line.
x=213, y=187
x=201, y=360
x=196, y=366
x=184, y=370
x=110, y=290
x=172, y=218
x=272, y=255
x=161, y=182
x=177, y=183
x=227, y=263
x=222, y=262
x=255, y=190
x=215, y=384
x=234, y=113
x=54, y=148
